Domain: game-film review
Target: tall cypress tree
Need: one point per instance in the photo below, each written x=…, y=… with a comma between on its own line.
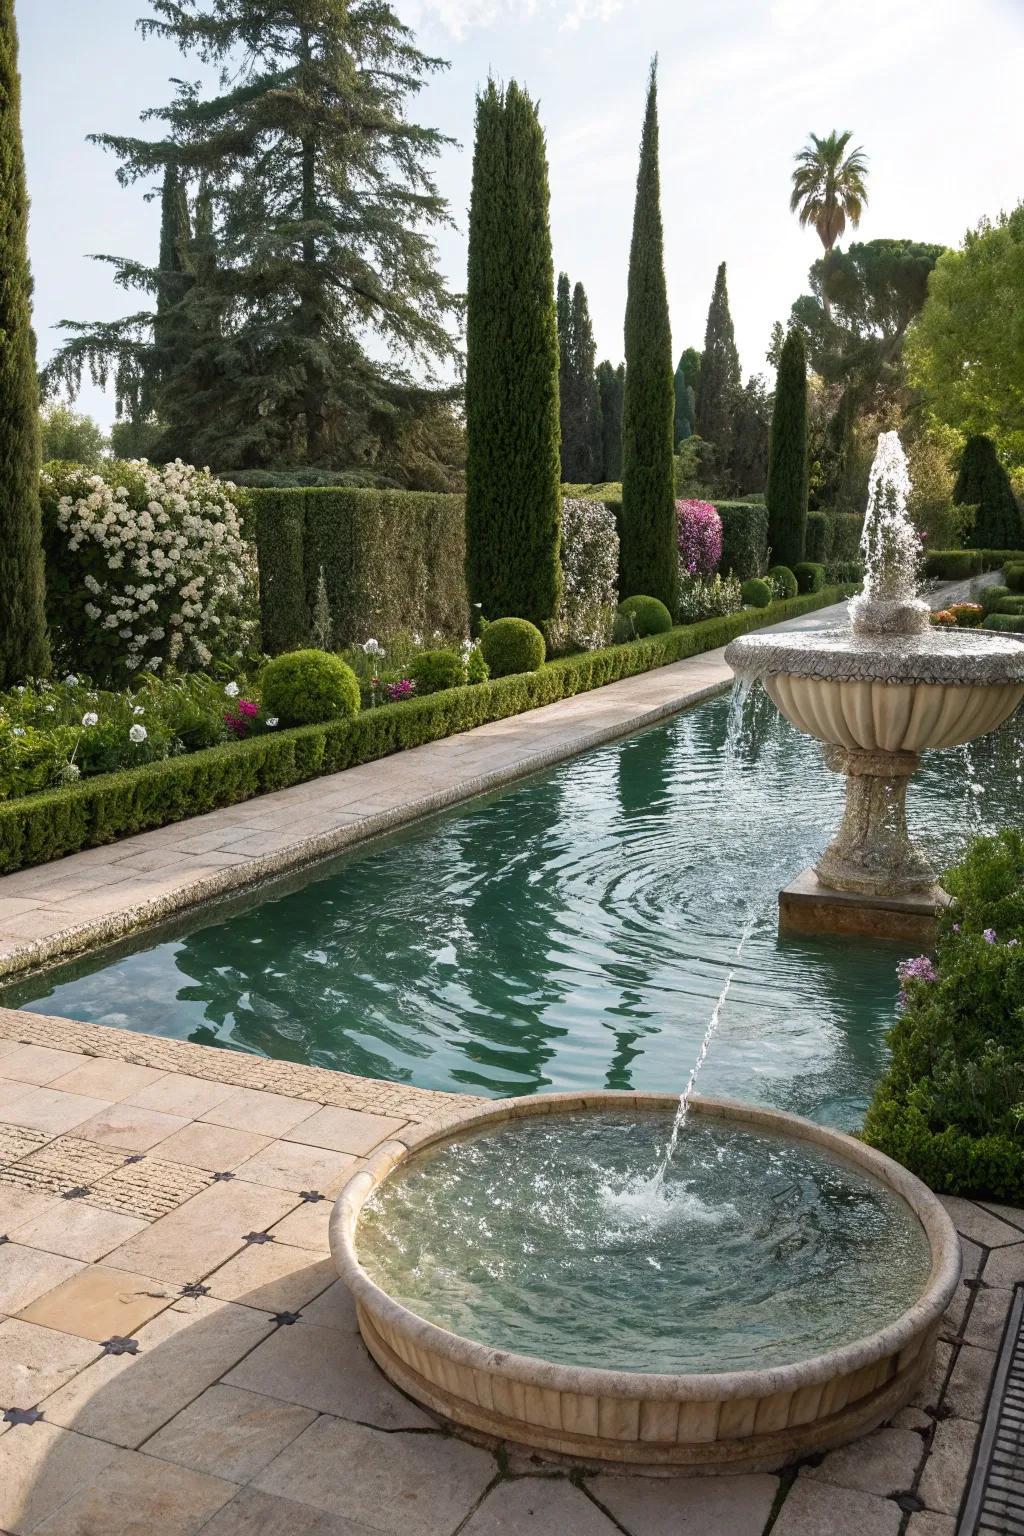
x=647, y=550
x=513, y=509
x=786, y=493
x=719, y=374
x=563, y=320
x=580, y=406
x=687, y=376
x=611, y=386
x=23, y=647
x=983, y=483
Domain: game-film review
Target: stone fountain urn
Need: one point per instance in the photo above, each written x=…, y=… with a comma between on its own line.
x=883, y=691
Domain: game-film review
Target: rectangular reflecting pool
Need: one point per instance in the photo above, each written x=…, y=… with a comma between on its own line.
x=571, y=932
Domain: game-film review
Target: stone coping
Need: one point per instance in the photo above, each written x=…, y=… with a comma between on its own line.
x=972, y=657
x=912, y=1325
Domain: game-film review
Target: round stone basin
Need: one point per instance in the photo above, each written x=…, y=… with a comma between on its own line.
x=522, y=1273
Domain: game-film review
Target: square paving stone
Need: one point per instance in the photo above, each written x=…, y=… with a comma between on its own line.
x=883, y=1463
x=107, y=1078
x=967, y=1390
x=987, y=1320
x=203, y=1232
x=399, y=1484
x=101, y=1304
x=290, y=1165
x=17, y=1141
x=126, y=1398
x=949, y=1463
x=137, y=1495
x=1013, y=1215
x=26, y=1273
x=927, y=1523
x=250, y=1109
x=51, y=1111
x=36, y=1361
x=1005, y=1267
x=929, y=1393
x=334, y=1308
x=149, y=1189
x=307, y=1226
x=822, y=1509
x=686, y=1506
x=178, y=1094
x=345, y=1130
x=78, y=1230
x=19, y=1206
x=330, y=1371
x=535, y=1506
x=252, y=1513
x=40, y=1468
x=38, y=1064
x=273, y=1276
x=129, y=1128
x=230, y=1433
x=975, y=1222
x=11, y=1090
x=216, y=1147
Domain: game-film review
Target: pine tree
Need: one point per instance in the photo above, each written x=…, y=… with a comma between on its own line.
x=611, y=385
x=786, y=493
x=719, y=374
x=647, y=552
x=23, y=647
x=323, y=204
x=687, y=376
x=512, y=442
x=580, y=405
x=983, y=483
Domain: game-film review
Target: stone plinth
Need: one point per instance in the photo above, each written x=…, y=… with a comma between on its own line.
x=807, y=906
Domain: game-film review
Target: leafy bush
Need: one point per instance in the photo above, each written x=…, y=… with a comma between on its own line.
x=951, y=1105
x=145, y=568
x=590, y=574
x=699, y=599
x=816, y=539
x=1012, y=604
x=941, y=617
x=638, y=617
x=992, y=596
x=757, y=592
x=1013, y=575
x=744, y=537
x=1008, y=623
x=844, y=572
x=434, y=670
x=783, y=580
x=509, y=646
x=845, y=529
x=309, y=688
x=698, y=537
x=952, y=564
x=810, y=576
x=967, y=615
x=477, y=670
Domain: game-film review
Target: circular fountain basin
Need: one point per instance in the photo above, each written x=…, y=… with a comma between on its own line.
x=520, y=1273
x=887, y=694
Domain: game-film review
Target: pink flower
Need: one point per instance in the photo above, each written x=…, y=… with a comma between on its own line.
x=699, y=537
x=403, y=689
x=248, y=708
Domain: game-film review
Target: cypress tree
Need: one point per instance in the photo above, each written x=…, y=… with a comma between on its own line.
x=611, y=385
x=719, y=379
x=580, y=406
x=687, y=375
x=983, y=483
x=512, y=440
x=563, y=320
x=647, y=553
x=786, y=493
x=23, y=647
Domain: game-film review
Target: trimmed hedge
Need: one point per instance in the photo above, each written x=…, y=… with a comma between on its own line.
x=1009, y=623
x=744, y=538
x=845, y=529
x=810, y=575
x=757, y=592
x=953, y=564
x=47, y=826
x=816, y=539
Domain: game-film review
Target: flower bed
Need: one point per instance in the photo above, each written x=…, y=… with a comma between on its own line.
x=39, y=827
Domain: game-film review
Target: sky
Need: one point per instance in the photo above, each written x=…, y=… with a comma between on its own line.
x=930, y=88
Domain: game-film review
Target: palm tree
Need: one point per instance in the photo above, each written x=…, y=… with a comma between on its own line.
x=828, y=186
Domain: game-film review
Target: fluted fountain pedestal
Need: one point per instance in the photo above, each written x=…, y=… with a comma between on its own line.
x=872, y=854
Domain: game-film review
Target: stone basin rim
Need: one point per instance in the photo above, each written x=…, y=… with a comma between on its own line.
x=968, y=657
x=534, y=1371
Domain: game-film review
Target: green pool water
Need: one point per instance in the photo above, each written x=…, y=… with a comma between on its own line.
x=573, y=931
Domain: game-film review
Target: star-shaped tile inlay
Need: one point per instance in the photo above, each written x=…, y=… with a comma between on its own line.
x=78, y=1193
x=257, y=1237
x=135, y=1157
x=22, y=1416
x=194, y=1288
x=117, y=1346
x=312, y=1195
x=286, y=1318
x=220, y=1177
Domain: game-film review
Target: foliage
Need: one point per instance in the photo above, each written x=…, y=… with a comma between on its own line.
x=787, y=489
x=1010, y=623
x=50, y=825
x=984, y=484
x=512, y=494
x=930, y=454
x=638, y=617
x=967, y=615
x=719, y=380
x=1013, y=575
x=951, y=1105
x=783, y=580
x=687, y=378
x=952, y=564
x=647, y=549
x=966, y=352
x=698, y=538
x=845, y=535
x=392, y=560
x=829, y=185
x=434, y=670
x=309, y=688
x=136, y=439
x=68, y=435
x=992, y=596
x=710, y=598
x=579, y=400
x=512, y=645
x=23, y=649
x=747, y=467
x=590, y=573
x=810, y=575
x=758, y=592
x=744, y=537
x=816, y=537
x=611, y=386
x=146, y=568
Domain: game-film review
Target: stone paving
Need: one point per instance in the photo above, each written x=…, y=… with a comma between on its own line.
x=177, y=1355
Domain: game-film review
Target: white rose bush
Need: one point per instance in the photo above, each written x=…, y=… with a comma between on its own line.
x=147, y=568
x=590, y=576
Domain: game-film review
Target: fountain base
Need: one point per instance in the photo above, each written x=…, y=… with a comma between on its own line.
x=806, y=906
x=872, y=854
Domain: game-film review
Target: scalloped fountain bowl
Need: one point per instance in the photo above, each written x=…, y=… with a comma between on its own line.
x=877, y=701
x=521, y=1273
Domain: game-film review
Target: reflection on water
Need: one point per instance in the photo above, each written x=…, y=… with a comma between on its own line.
x=571, y=932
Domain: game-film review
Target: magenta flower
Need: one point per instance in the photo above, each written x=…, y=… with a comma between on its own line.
x=918, y=969
x=698, y=537
x=403, y=689
x=247, y=707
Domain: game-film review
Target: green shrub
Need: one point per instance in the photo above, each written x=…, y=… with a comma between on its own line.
x=638, y=617
x=744, y=537
x=810, y=575
x=991, y=597
x=433, y=670
x=757, y=592
x=309, y=688
x=509, y=646
x=1012, y=604
x=816, y=540
x=967, y=615
x=477, y=670
x=844, y=536
x=784, y=581
x=952, y=564
x=995, y=559
x=845, y=572
x=1013, y=575
x=1009, y=623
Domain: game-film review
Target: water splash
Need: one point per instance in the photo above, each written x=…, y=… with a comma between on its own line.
x=890, y=548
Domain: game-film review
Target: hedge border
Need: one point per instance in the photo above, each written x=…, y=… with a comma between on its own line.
x=39, y=828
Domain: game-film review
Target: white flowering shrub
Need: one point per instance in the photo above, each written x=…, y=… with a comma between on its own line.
x=712, y=597
x=590, y=575
x=147, y=567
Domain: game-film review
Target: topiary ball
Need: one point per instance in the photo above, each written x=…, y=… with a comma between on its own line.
x=309, y=688
x=1013, y=575
x=512, y=645
x=783, y=580
x=757, y=593
x=992, y=596
x=433, y=670
x=810, y=576
x=638, y=617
